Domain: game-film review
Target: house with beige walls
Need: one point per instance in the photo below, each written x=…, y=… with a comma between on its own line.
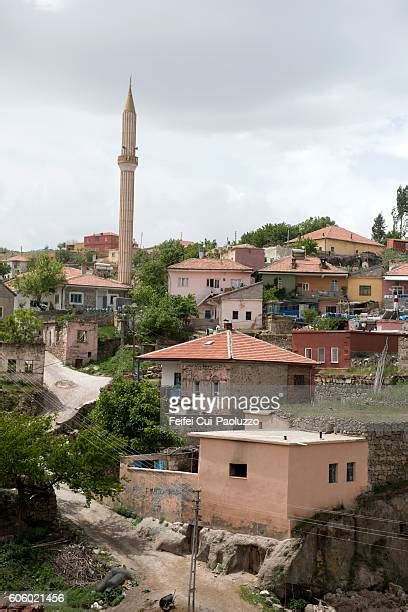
x=259, y=482
x=336, y=240
x=203, y=276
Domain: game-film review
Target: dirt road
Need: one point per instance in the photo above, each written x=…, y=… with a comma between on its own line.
x=158, y=573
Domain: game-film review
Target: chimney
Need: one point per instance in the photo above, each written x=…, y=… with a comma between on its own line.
x=227, y=324
x=201, y=253
x=323, y=263
x=321, y=435
x=294, y=265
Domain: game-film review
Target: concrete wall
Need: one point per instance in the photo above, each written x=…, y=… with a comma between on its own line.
x=28, y=357
x=253, y=257
x=376, y=285
x=242, y=306
x=309, y=488
x=343, y=247
x=158, y=493
x=6, y=302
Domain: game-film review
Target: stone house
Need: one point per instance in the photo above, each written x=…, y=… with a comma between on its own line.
x=241, y=307
x=259, y=482
x=22, y=362
x=203, y=276
x=6, y=301
x=73, y=342
x=18, y=265
x=232, y=364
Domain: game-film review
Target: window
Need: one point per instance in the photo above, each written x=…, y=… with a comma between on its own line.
x=334, y=285
x=196, y=387
x=82, y=336
x=305, y=286
x=331, y=308
x=238, y=470
x=332, y=249
x=235, y=315
x=182, y=281
x=214, y=283
x=350, y=472
x=216, y=388
x=364, y=290
x=332, y=472
x=29, y=366
x=248, y=315
x=279, y=282
x=76, y=298
x=308, y=353
x=321, y=354
x=177, y=379
x=397, y=290
x=299, y=379
x=1, y=312
x=56, y=298
x=11, y=365
x=207, y=314
x=334, y=354
x=235, y=283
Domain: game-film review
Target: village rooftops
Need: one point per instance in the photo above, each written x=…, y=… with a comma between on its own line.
x=21, y=258
x=334, y=232
x=201, y=264
x=397, y=273
x=287, y=438
x=306, y=265
x=228, y=346
x=77, y=278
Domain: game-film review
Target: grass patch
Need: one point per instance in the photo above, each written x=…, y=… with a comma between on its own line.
x=126, y=512
x=107, y=332
x=120, y=363
x=254, y=598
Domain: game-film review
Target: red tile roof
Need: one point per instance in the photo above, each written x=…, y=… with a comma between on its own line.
x=209, y=264
x=398, y=271
x=308, y=265
x=75, y=277
x=334, y=232
x=18, y=258
x=228, y=346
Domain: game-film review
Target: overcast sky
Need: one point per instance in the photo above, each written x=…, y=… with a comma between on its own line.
x=248, y=113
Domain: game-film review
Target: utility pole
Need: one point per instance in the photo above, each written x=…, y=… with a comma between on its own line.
x=194, y=550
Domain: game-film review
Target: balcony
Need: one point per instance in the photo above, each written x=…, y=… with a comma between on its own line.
x=319, y=294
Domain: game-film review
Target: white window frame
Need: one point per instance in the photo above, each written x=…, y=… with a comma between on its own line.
x=213, y=283
x=29, y=366
x=182, y=281
x=334, y=350
x=71, y=301
x=321, y=348
x=308, y=352
x=398, y=290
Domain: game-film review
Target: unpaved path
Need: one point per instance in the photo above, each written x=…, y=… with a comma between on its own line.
x=159, y=572
x=72, y=389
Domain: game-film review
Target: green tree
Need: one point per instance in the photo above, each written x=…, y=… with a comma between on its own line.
x=327, y=323
x=31, y=453
x=4, y=268
x=309, y=315
x=400, y=212
x=43, y=277
x=22, y=327
x=312, y=224
x=131, y=410
x=193, y=250
x=378, y=230
x=309, y=245
x=273, y=234
x=389, y=255
x=167, y=317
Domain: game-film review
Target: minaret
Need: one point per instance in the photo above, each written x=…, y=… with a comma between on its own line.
x=127, y=162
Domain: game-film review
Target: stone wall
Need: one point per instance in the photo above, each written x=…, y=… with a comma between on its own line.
x=282, y=340
x=29, y=366
x=387, y=443
x=279, y=324
x=403, y=355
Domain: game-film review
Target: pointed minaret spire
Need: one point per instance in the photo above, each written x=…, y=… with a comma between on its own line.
x=127, y=162
x=129, y=105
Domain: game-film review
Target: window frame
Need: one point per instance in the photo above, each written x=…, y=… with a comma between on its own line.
x=182, y=281
x=308, y=355
x=352, y=465
x=10, y=369
x=334, y=348
x=28, y=366
x=73, y=302
x=213, y=283
x=248, y=312
x=233, y=468
x=321, y=348
x=82, y=336
x=235, y=315
x=333, y=473
x=363, y=293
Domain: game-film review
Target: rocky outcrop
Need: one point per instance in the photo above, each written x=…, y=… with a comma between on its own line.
x=227, y=552
x=350, y=550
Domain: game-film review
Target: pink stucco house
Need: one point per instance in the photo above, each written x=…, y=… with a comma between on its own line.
x=396, y=280
x=204, y=276
x=260, y=482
